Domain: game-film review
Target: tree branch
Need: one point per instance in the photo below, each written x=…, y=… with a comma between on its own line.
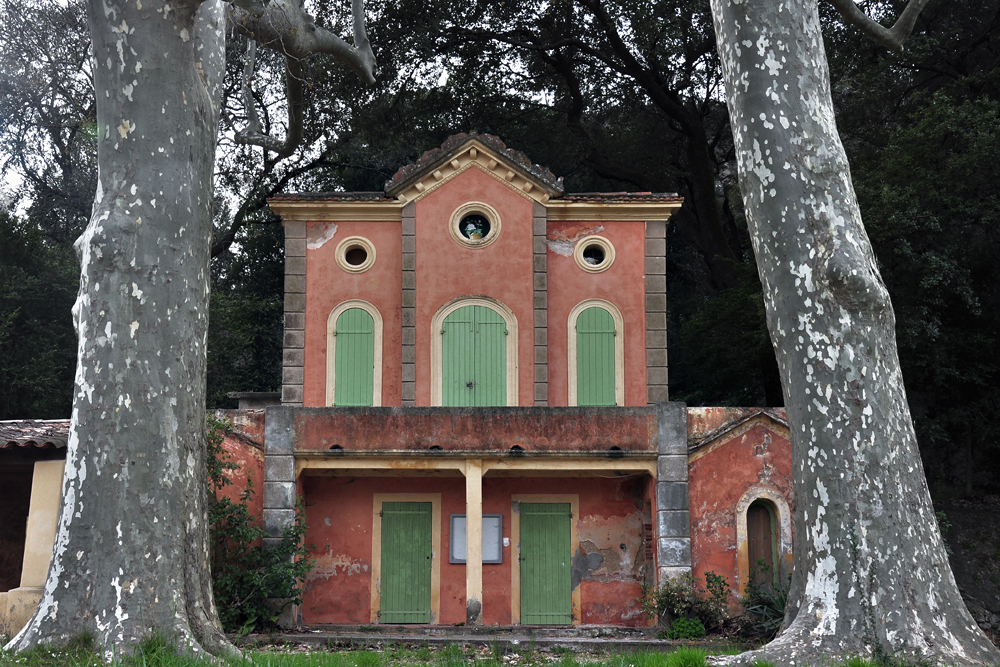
x=252, y=135
x=891, y=38
x=286, y=27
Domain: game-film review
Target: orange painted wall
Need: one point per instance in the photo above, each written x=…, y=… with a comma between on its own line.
x=339, y=515
x=760, y=456
x=245, y=447
x=623, y=285
x=446, y=270
x=327, y=285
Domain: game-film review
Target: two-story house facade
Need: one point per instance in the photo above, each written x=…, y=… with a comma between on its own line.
x=475, y=404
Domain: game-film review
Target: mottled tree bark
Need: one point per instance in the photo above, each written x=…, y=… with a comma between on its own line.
x=130, y=557
x=871, y=573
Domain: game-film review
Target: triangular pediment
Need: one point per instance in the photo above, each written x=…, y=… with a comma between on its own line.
x=462, y=152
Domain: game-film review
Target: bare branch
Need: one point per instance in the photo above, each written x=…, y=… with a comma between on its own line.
x=891, y=38
x=286, y=27
x=252, y=135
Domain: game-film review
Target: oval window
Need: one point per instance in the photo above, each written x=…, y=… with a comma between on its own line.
x=594, y=254
x=355, y=254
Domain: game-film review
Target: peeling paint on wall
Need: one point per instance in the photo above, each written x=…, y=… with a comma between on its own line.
x=320, y=234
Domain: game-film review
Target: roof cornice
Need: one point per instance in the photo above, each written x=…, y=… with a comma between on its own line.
x=337, y=210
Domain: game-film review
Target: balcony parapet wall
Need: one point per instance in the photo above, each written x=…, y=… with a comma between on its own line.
x=467, y=430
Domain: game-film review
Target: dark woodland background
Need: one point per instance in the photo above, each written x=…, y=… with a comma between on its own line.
x=614, y=96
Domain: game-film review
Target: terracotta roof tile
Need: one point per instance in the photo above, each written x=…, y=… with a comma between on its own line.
x=51, y=433
x=332, y=196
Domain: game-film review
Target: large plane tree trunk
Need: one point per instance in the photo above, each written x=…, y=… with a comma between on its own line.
x=131, y=555
x=871, y=573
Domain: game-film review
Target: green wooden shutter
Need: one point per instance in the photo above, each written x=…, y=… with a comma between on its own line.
x=545, y=553
x=474, y=357
x=355, y=364
x=595, y=357
x=406, y=563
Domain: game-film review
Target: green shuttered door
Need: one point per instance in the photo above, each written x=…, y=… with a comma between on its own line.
x=355, y=363
x=546, y=588
x=406, y=563
x=474, y=358
x=595, y=357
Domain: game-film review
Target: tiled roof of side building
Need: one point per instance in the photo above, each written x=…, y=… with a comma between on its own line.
x=613, y=197
x=436, y=155
x=332, y=196
x=50, y=433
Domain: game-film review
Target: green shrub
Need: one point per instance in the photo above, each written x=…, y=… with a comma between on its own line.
x=252, y=584
x=686, y=628
x=680, y=597
x=764, y=607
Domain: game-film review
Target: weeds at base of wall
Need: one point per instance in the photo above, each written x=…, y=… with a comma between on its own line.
x=252, y=584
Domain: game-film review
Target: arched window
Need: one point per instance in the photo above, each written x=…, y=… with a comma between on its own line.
x=474, y=354
x=763, y=533
x=354, y=355
x=595, y=332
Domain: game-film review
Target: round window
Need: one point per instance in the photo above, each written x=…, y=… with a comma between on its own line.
x=475, y=225
x=594, y=254
x=355, y=254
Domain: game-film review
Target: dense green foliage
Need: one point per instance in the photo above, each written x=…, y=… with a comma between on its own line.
x=38, y=284
x=252, y=583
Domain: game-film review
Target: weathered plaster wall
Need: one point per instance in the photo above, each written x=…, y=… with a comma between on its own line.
x=756, y=454
x=339, y=515
x=446, y=270
x=623, y=285
x=476, y=429
x=327, y=285
x=245, y=446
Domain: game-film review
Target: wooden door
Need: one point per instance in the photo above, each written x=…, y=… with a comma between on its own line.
x=354, y=373
x=545, y=554
x=474, y=358
x=407, y=551
x=761, y=543
x=595, y=357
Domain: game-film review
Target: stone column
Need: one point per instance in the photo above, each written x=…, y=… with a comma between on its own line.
x=409, y=314
x=474, y=542
x=541, y=304
x=672, y=521
x=656, y=312
x=40, y=535
x=293, y=359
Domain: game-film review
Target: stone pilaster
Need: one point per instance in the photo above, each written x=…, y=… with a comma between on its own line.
x=409, y=314
x=293, y=360
x=541, y=304
x=279, y=472
x=656, y=312
x=672, y=520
